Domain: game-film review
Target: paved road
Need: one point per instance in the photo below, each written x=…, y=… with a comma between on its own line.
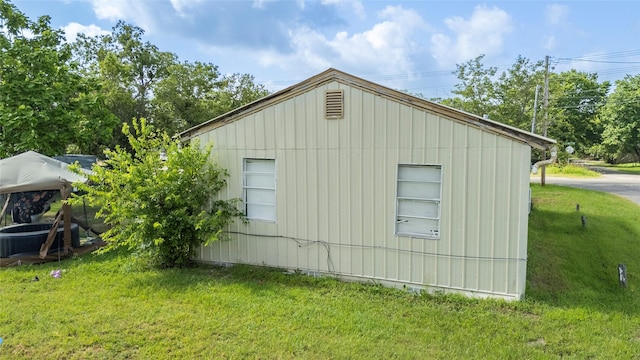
x=627, y=186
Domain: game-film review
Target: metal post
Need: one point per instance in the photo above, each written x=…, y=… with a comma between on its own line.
x=546, y=116
x=535, y=110
x=622, y=275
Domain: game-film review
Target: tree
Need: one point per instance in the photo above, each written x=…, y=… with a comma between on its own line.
x=140, y=81
x=574, y=103
x=621, y=118
x=45, y=105
x=515, y=93
x=128, y=69
x=238, y=90
x=475, y=92
x=186, y=97
x=508, y=98
x=576, y=99
x=159, y=205
x=195, y=92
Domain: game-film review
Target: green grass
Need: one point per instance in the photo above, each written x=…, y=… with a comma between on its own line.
x=105, y=307
x=569, y=171
x=629, y=168
x=573, y=264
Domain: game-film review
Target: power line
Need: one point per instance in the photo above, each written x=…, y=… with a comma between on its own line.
x=615, y=103
x=601, y=61
x=603, y=58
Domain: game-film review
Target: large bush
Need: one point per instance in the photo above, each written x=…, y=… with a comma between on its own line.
x=159, y=199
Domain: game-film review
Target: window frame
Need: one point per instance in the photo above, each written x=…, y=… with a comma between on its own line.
x=427, y=200
x=246, y=188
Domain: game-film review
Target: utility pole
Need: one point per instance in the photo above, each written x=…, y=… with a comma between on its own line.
x=546, y=116
x=535, y=110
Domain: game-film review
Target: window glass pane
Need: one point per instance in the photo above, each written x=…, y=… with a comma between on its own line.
x=260, y=180
x=419, y=173
x=260, y=165
x=260, y=196
x=263, y=212
x=427, y=227
x=419, y=190
x=418, y=208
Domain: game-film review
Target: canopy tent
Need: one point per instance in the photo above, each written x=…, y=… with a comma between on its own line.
x=31, y=171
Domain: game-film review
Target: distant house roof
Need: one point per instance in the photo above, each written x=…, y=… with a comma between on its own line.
x=536, y=141
x=85, y=161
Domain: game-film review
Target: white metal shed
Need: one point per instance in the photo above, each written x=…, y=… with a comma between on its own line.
x=339, y=175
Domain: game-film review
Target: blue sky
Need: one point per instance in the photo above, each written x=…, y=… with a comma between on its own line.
x=411, y=45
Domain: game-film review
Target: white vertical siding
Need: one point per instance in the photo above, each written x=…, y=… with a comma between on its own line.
x=336, y=188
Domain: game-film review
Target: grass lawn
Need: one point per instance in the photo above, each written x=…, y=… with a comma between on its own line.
x=629, y=168
x=103, y=307
x=572, y=171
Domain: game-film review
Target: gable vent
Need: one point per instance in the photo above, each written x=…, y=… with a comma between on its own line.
x=333, y=104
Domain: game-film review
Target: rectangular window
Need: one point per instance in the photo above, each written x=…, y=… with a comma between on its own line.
x=418, y=200
x=259, y=189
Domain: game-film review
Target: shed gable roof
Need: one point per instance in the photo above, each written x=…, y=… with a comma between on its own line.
x=534, y=140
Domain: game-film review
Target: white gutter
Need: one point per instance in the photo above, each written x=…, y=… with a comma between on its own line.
x=554, y=157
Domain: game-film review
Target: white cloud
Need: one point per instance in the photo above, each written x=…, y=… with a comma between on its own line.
x=482, y=33
x=388, y=47
x=72, y=30
x=557, y=14
x=136, y=11
x=181, y=5
x=112, y=10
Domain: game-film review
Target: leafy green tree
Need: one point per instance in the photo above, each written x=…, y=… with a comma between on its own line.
x=186, y=97
x=476, y=91
x=621, y=118
x=128, y=69
x=159, y=205
x=238, y=90
x=45, y=104
x=196, y=92
x=140, y=81
x=515, y=93
x=507, y=98
x=575, y=101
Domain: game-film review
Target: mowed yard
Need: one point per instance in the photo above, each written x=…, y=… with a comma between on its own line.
x=110, y=307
